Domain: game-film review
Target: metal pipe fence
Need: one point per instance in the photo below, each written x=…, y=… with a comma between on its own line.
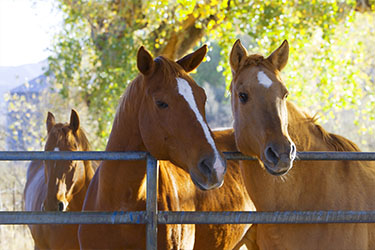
x=151, y=217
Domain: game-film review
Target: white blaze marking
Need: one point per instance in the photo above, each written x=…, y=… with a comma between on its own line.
x=264, y=79
x=185, y=90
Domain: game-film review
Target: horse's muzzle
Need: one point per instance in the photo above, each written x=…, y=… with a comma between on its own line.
x=209, y=173
x=278, y=164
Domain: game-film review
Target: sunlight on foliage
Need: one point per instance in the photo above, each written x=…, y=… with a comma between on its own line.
x=95, y=56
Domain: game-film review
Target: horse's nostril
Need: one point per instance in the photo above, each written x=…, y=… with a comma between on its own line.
x=60, y=206
x=205, y=167
x=271, y=155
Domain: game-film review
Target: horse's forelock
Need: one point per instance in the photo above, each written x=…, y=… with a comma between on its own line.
x=54, y=136
x=170, y=69
x=256, y=60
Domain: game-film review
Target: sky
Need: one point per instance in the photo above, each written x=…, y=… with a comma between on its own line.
x=27, y=28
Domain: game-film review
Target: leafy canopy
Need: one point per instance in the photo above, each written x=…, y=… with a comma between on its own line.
x=95, y=54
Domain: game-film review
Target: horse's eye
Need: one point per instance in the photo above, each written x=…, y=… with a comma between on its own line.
x=286, y=95
x=243, y=97
x=161, y=104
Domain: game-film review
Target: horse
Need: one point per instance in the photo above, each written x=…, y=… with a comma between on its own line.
x=232, y=196
x=162, y=112
x=58, y=185
x=271, y=128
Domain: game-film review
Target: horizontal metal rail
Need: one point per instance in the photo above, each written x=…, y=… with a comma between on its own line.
x=284, y=217
x=117, y=217
x=169, y=217
x=314, y=156
x=151, y=217
x=336, y=156
x=104, y=155
x=69, y=155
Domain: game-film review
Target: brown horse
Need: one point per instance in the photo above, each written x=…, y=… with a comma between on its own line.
x=162, y=112
x=268, y=126
x=232, y=196
x=58, y=185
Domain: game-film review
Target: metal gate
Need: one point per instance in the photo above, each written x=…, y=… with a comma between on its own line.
x=151, y=217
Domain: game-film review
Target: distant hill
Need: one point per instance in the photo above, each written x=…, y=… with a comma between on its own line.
x=12, y=77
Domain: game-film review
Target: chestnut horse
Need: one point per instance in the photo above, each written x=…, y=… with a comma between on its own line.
x=58, y=185
x=162, y=112
x=268, y=126
x=232, y=196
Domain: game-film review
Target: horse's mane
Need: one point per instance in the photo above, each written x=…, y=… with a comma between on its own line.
x=336, y=142
x=131, y=92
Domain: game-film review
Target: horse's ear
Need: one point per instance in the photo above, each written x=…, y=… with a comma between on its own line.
x=74, y=121
x=145, y=62
x=50, y=122
x=237, y=53
x=279, y=58
x=192, y=60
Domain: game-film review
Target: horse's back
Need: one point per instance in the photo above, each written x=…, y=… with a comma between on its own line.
x=225, y=140
x=35, y=188
x=34, y=194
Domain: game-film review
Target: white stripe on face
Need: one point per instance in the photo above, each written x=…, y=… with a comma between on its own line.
x=185, y=90
x=264, y=79
x=56, y=149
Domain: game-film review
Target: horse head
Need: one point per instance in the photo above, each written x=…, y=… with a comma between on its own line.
x=64, y=178
x=172, y=119
x=259, y=107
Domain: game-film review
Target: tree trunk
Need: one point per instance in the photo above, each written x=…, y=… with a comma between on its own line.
x=363, y=6
x=184, y=40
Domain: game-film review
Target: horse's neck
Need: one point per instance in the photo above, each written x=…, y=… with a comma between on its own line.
x=77, y=201
x=125, y=136
x=89, y=172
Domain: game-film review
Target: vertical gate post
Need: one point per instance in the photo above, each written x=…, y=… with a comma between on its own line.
x=151, y=203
